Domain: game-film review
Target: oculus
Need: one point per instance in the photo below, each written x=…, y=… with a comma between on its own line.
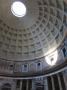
x=18, y=9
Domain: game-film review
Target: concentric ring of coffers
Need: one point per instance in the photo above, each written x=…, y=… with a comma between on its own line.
x=41, y=38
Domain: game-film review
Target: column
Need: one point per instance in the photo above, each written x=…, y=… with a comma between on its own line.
x=45, y=84
x=20, y=84
x=52, y=83
x=59, y=82
x=27, y=85
x=65, y=78
x=33, y=85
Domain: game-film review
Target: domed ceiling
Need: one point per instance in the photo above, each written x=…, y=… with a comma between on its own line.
x=35, y=35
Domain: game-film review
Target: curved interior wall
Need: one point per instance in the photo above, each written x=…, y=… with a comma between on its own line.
x=56, y=81
x=36, y=67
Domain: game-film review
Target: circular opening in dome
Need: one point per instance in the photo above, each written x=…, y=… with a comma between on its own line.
x=18, y=9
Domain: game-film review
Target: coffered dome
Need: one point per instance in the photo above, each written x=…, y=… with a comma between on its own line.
x=35, y=35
